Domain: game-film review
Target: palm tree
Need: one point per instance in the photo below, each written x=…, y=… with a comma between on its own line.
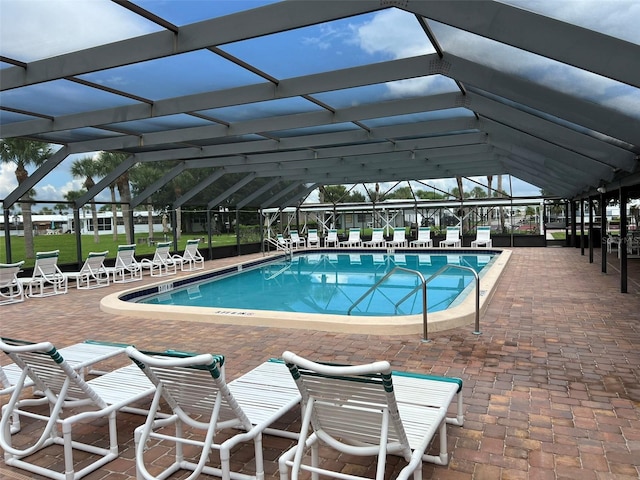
x=87, y=168
x=24, y=153
x=71, y=196
x=107, y=161
x=61, y=208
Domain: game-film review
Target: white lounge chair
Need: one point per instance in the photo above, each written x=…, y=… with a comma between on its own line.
x=162, y=263
x=368, y=410
x=47, y=278
x=452, y=239
x=353, y=240
x=377, y=238
x=93, y=273
x=331, y=240
x=63, y=391
x=424, y=238
x=281, y=242
x=313, y=241
x=191, y=259
x=202, y=401
x=483, y=237
x=399, y=239
x=295, y=240
x=126, y=268
x=81, y=356
x=11, y=290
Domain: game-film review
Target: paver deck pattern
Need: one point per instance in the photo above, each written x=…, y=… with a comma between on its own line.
x=552, y=386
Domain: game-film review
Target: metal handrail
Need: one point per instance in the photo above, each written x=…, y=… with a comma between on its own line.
x=423, y=285
x=285, y=250
x=475, y=274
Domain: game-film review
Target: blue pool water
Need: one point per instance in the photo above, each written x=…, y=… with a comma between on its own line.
x=330, y=283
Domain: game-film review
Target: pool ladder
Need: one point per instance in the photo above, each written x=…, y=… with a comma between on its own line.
x=423, y=286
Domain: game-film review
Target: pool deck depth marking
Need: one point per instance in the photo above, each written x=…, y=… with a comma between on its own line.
x=453, y=317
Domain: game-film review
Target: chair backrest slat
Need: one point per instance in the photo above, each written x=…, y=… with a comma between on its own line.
x=453, y=233
x=46, y=264
x=94, y=262
x=49, y=370
x=399, y=235
x=424, y=233
x=483, y=233
x=191, y=384
x=126, y=256
x=346, y=405
x=9, y=273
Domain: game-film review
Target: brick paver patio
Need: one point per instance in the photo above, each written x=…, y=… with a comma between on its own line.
x=552, y=386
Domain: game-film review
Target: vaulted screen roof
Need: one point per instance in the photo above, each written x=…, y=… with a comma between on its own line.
x=307, y=93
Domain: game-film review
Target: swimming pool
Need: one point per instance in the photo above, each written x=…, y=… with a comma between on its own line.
x=461, y=312
x=332, y=283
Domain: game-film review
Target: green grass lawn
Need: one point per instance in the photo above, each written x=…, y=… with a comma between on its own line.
x=66, y=243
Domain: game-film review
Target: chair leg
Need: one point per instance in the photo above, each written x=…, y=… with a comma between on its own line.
x=259, y=459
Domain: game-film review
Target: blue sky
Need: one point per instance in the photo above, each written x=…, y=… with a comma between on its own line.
x=32, y=29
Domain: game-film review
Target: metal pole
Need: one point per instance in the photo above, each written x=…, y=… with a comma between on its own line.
x=477, y=328
x=603, y=232
x=425, y=334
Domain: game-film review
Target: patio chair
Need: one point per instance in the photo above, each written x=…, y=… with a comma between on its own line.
x=71, y=400
x=47, y=278
x=331, y=240
x=353, y=240
x=399, y=239
x=282, y=244
x=81, y=356
x=424, y=238
x=633, y=243
x=162, y=263
x=483, y=237
x=313, y=241
x=377, y=238
x=126, y=268
x=11, y=290
x=368, y=410
x=295, y=240
x=191, y=259
x=452, y=239
x=93, y=273
x=202, y=401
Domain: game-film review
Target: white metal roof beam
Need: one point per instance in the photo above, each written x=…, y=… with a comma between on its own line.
x=309, y=84
x=555, y=133
x=261, y=191
x=230, y=191
x=565, y=42
x=105, y=181
x=554, y=153
x=319, y=155
x=159, y=183
x=230, y=28
x=285, y=191
x=35, y=177
x=193, y=191
x=576, y=110
x=295, y=197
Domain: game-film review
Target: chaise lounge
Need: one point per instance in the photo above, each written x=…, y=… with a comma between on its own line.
x=368, y=410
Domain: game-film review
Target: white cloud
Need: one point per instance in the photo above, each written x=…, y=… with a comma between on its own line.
x=618, y=18
x=395, y=33
x=8, y=181
x=35, y=29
